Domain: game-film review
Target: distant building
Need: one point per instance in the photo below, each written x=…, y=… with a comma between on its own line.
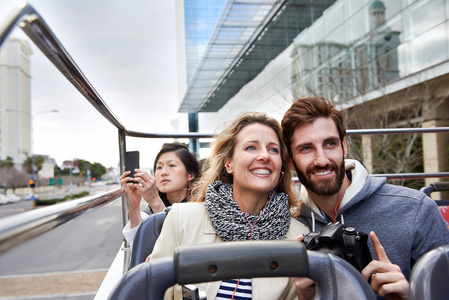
x=48, y=167
x=112, y=175
x=15, y=101
x=196, y=21
x=340, y=71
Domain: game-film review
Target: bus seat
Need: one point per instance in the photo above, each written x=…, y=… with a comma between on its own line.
x=430, y=275
x=138, y=282
x=442, y=204
x=335, y=278
x=146, y=237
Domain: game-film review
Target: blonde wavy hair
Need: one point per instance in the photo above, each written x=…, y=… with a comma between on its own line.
x=223, y=147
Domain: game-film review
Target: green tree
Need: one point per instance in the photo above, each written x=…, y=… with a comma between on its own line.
x=28, y=164
x=61, y=172
x=97, y=170
x=10, y=177
x=83, y=165
x=7, y=163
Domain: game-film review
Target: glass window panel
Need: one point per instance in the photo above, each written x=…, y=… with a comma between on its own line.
x=230, y=33
x=333, y=17
x=242, y=12
x=405, y=58
x=360, y=24
x=430, y=48
x=337, y=36
x=318, y=31
x=425, y=15
x=393, y=7
x=396, y=24
x=356, y=5
x=304, y=38
x=447, y=9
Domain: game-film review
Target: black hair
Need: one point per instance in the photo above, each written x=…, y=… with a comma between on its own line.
x=187, y=158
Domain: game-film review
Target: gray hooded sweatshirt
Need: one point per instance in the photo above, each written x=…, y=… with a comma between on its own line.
x=407, y=222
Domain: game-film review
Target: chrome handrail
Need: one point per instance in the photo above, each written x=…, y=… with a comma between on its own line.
x=190, y=135
x=396, y=130
x=42, y=36
x=413, y=175
x=19, y=228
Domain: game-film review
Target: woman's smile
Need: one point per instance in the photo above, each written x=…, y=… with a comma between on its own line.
x=261, y=171
x=256, y=162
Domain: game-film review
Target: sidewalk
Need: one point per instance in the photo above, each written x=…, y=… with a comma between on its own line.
x=77, y=282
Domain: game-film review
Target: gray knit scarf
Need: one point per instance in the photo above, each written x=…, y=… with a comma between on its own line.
x=230, y=222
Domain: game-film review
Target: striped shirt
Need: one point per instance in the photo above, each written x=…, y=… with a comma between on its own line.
x=227, y=287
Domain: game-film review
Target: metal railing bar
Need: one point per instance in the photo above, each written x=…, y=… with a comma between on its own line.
x=19, y=228
x=414, y=175
x=197, y=135
x=42, y=36
x=190, y=135
x=396, y=130
x=404, y=176
x=12, y=19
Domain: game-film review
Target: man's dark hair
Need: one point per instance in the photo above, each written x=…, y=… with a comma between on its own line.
x=307, y=110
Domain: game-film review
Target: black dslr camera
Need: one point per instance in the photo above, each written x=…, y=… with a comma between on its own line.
x=342, y=241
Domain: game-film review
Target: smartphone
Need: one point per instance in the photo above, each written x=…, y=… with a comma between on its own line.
x=132, y=162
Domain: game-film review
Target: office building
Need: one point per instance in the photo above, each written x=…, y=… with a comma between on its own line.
x=15, y=101
x=381, y=60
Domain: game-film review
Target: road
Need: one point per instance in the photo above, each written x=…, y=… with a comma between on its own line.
x=67, y=263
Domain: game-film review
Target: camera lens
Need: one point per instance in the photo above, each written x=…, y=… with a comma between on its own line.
x=350, y=230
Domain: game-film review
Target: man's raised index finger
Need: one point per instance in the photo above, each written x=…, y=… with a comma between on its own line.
x=378, y=248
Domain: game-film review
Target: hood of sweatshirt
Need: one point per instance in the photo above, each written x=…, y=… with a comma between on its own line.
x=362, y=186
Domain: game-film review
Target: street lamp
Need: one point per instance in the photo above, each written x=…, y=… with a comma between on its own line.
x=31, y=116
x=31, y=136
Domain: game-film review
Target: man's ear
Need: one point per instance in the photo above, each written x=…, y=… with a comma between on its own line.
x=345, y=149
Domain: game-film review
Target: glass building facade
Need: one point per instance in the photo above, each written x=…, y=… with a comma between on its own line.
x=381, y=41
x=387, y=59
x=356, y=46
x=201, y=17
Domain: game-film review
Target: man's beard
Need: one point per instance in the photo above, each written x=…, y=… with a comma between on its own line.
x=326, y=187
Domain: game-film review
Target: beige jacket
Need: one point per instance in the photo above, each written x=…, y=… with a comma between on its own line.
x=189, y=224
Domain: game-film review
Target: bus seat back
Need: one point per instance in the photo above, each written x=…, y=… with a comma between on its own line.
x=443, y=205
x=146, y=237
x=430, y=275
x=335, y=278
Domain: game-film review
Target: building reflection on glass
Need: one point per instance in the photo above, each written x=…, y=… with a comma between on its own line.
x=341, y=71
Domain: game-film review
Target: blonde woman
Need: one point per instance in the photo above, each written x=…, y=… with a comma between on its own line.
x=245, y=194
